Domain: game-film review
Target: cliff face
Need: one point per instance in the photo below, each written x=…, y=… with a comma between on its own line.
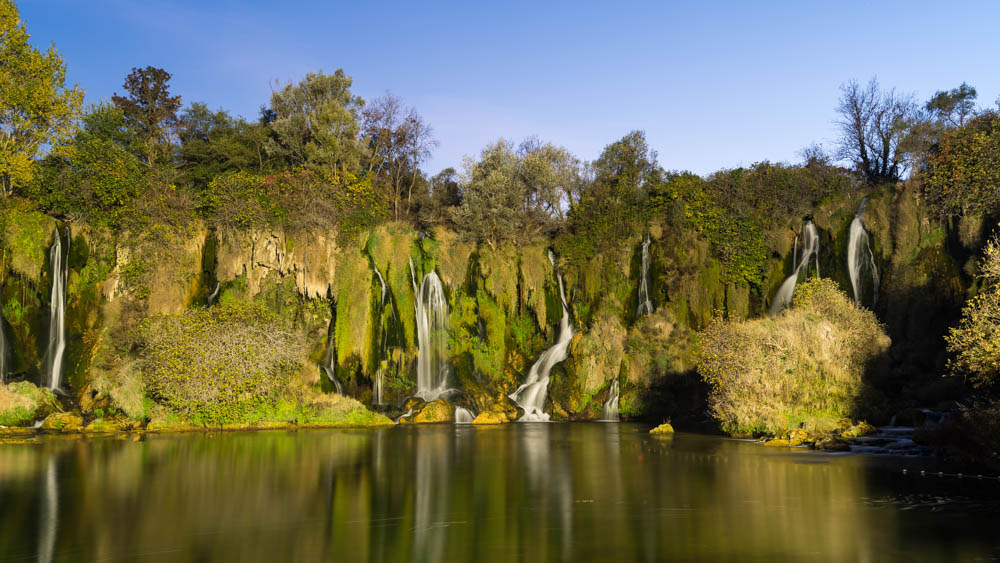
x=354, y=299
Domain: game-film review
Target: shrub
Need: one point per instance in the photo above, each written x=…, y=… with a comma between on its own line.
x=21, y=403
x=801, y=369
x=975, y=342
x=219, y=365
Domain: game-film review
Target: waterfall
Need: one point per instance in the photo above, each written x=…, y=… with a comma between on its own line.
x=432, y=336
x=330, y=367
x=59, y=261
x=382, y=337
x=210, y=300
x=463, y=415
x=645, y=305
x=860, y=256
x=611, y=405
x=800, y=263
x=530, y=396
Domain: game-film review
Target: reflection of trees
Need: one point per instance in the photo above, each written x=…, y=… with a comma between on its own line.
x=521, y=492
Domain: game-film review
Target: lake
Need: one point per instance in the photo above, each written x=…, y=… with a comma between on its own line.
x=525, y=492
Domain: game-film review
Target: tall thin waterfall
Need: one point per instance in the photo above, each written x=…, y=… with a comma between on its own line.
x=860, y=257
x=645, y=305
x=382, y=344
x=330, y=367
x=530, y=396
x=57, y=320
x=432, y=336
x=213, y=295
x=800, y=262
x=611, y=405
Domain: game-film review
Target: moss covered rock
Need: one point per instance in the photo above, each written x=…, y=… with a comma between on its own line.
x=63, y=422
x=439, y=410
x=22, y=403
x=665, y=428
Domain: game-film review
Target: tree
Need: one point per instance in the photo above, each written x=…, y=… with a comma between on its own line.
x=953, y=107
x=873, y=124
x=215, y=142
x=398, y=142
x=961, y=174
x=150, y=111
x=315, y=123
x=36, y=109
x=975, y=342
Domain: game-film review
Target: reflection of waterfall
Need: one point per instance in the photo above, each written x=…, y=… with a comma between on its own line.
x=611, y=405
x=4, y=352
x=645, y=305
x=432, y=336
x=431, y=506
x=530, y=396
x=330, y=367
x=382, y=343
x=213, y=295
x=810, y=249
x=463, y=415
x=57, y=322
x=860, y=256
x=49, y=514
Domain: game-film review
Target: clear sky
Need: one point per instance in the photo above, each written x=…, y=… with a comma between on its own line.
x=713, y=84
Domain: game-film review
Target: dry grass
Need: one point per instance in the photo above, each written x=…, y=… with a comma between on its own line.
x=801, y=369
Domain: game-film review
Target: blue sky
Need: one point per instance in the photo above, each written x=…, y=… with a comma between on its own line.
x=713, y=84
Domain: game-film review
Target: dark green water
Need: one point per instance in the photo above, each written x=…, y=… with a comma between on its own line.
x=521, y=492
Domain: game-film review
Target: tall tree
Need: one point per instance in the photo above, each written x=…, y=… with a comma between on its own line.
x=36, y=108
x=213, y=142
x=315, y=123
x=873, y=124
x=398, y=141
x=150, y=111
x=953, y=107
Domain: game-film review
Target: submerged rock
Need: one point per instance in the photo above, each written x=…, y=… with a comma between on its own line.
x=63, y=422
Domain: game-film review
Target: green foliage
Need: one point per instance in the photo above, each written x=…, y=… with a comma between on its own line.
x=975, y=342
x=803, y=368
x=218, y=365
x=315, y=123
x=297, y=199
x=27, y=235
x=962, y=173
x=36, y=109
x=21, y=403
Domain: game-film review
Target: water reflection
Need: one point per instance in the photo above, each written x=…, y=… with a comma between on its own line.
x=530, y=492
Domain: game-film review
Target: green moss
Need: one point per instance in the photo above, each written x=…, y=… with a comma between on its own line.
x=27, y=236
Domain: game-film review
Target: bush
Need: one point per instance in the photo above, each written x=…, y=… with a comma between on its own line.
x=962, y=172
x=975, y=342
x=801, y=369
x=219, y=365
x=22, y=403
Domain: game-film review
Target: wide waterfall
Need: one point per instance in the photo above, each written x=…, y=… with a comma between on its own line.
x=59, y=260
x=860, y=257
x=330, y=367
x=645, y=305
x=432, y=336
x=530, y=396
x=800, y=263
x=611, y=405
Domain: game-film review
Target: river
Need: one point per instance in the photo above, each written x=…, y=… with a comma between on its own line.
x=525, y=492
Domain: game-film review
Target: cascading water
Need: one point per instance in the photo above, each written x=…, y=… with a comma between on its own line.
x=57, y=320
x=463, y=415
x=432, y=336
x=330, y=367
x=382, y=344
x=860, y=257
x=800, y=263
x=645, y=305
x=611, y=405
x=530, y=396
x=213, y=295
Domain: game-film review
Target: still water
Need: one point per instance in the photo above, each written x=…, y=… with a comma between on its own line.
x=521, y=492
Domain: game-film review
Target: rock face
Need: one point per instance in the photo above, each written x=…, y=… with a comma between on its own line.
x=353, y=299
